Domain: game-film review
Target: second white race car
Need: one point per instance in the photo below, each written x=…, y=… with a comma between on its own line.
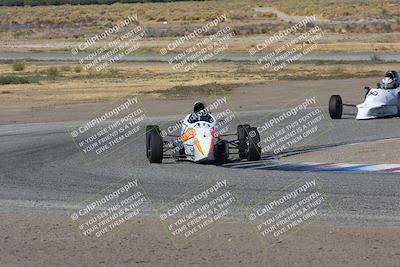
x=201, y=141
x=380, y=102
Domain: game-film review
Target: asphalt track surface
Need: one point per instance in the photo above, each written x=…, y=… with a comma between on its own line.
x=41, y=171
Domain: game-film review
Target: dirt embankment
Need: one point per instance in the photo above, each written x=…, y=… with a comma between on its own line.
x=268, y=96
x=53, y=240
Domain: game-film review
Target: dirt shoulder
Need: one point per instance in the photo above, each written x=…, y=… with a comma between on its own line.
x=53, y=240
x=380, y=152
x=66, y=82
x=267, y=96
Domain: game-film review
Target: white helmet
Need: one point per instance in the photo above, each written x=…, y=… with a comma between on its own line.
x=388, y=83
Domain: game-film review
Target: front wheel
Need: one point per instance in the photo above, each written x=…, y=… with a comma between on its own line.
x=398, y=104
x=335, y=107
x=242, y=140
x=221, y=152
x=149, y=129
x=155, y=147
x=254, y=152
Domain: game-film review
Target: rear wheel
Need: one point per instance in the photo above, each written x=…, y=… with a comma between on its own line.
x=336, y=107
x=242, y=140
x=254, y=152
x=155, y=147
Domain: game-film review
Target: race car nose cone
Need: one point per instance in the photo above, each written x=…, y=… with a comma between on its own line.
x=204, y=145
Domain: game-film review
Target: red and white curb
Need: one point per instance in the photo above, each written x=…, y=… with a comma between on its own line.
x=314, y=167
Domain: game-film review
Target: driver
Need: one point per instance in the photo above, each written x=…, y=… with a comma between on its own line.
x=391, y=80
x=199, y=113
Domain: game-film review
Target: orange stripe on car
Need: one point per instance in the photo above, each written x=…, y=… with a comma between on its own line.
x=188, y=134
x=196, y=142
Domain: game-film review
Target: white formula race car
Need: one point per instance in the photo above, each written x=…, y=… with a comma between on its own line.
x=201, y=142
x=380, y=102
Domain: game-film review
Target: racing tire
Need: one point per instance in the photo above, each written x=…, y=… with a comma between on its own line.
x=221, y=152
x=398, y=105
x=335, y=107
x=155, y=148
x=242, y=140
x=254, y=152
x=149, y=128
